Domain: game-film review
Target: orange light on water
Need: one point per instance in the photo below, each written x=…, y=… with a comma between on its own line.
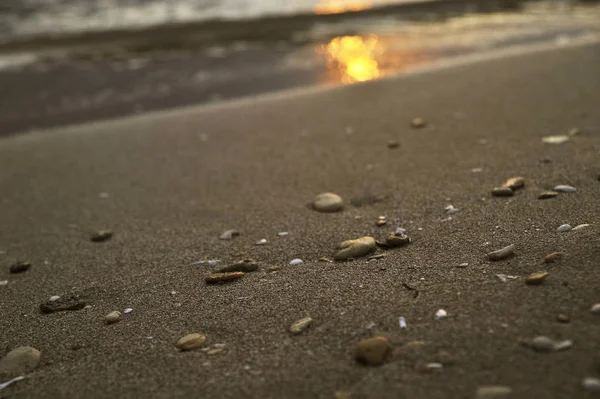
x=354, y=57
x=325, y=7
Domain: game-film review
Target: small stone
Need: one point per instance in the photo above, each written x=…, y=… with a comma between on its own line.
x=397, y=240
x=262, y=241
x=400, y=230
x=299, y=326
x=376, y=257
x=295, y=262
x=324, y=260
x=380, y=222
x=283, y=233
x=20, y=361
x=505, y=277
x=20, y=267
x=418, y=123
x=502, y=192
x=440, y=314
x=3, y=282
x=215, y=278
x=547, y=195
x=536, y=278
x=215, y=351
x=492, y=392
x=557, y=139
x=553, y=257
x=272, y=269
x=450, y=209
x=328, y=202
x=591, y=384
x=373, y=351
x=595, y=308
x=128, y=310
x=564, y=188
x=191, y=341
x=54, y=298
x=501, y=253
x=393, y=144
x=246, y=266
x=542, y=344
x=563, y=318
x=69, y=302
x=101, y=235
x=112, y=317
x=229, y=234
x=463, y=265
x=563, y=228
x=355, y=248
x=514, y=183
x=580, y=226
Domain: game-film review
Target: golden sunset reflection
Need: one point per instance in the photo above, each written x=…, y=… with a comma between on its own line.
x=325, y=7
x=353, y=59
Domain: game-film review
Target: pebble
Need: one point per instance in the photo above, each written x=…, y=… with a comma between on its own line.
x=128, y=310
x=246, y=266
x=440, y=314
x=283, y=233
x=373, y=351
x=547, y=195
x=563, y=318
x=553, y=257
x=272, y=269
x=20, y=267
x=295, y=262
x=10, y=382
x=501, y=253
x=355, y=248
x=19, y=361
x=557, y=139
x=229, y=234
x=215, y=278
x=69, y=302
x=450, y=209
x=505, y=277
x=492, y=391
x=564, y=188
x=595, y=308
x=299, y=326
x=380, y=222
x=536, y=278
x=215, y=351
x=545, y=344
x=591, y=384
x=393, y=144
x=191, y=341
x=400, y=230
x=376, y=257
x=463, y=265
x=54, y=298
x=514, y=183
x=502, y=192
x=402, y=322
x=476, y=170
x=328, y=202
x=397, y=240
x=418, y=123
x=564, y=227
x=101, y=235
x=112, y=317
x=580, y=226
x=3, y=282
x=262, y=241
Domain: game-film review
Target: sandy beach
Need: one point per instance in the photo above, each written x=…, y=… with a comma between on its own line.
x=168, y=185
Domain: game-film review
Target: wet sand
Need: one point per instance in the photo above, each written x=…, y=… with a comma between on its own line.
x=176, y=180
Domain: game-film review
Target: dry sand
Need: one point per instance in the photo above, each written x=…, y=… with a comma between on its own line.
x=172, y=193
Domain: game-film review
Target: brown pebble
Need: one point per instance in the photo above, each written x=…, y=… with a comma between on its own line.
x=20, y=267
x=563, y=318
x=325, y=260
x=375, y=257
x=19, y=361
x=246, y=266
x=215, y=351
x=112, y=317
x=215, y=278
x=397, y=240
x=272, y=269
x=536, y=278
x=553, y=257
x=514, y=183
x=373, y=351
x=418, y=123
x=393, y=144
x=380, y=222
x=101, y=235
x=547, y=195
x=191, y=341
x=299, y=326
x=502, y=192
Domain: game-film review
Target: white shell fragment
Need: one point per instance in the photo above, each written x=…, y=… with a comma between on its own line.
x=400, y=230
x=463, y=265
x=402, y=322
x=7, y=383
x=282, y=233
x=229, y=234
x=213, y=262
x=501, y=253
x=128, y=310
x=504, y=277
x=558, y=139
x=262, y=241
x=295, y=262
x=591, y=384
x=564, y=227
x=450, y=209
x=441, y=313
x=564, y=188
x=3, y=282
x=54, y=298
x=580, y=226
x=595, y=308
x=545, y=344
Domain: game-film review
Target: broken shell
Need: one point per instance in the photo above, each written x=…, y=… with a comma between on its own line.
x=553, y=257
x=536, y=278
x=501, y=253
x=229, y=234
x=397, y=240
x=355, y=248
x=563, y=228
x=564, y=188
x=190, y=341
x=514, y=183
x=299, y=326
x=502, y=192
x=102, y=235
x=547, y=195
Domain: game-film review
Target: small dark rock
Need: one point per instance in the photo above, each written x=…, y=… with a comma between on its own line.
x=101, y=236
x=547, y=195
x=246, y=266
x=503, y=192
x=67, y=302
x=20, y=267
x=397, y=240
x=393, y=144
x=563, y=318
